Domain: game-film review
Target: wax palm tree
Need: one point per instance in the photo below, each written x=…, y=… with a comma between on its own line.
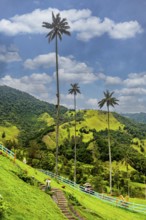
x=127, y=161
x=109, y=100
x=58, y=27
x=74, y=90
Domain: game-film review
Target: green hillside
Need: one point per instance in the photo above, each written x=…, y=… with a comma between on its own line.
x=28, y=114
x=138, y=117
x=26, y=201
x=27, y=126
x=23, y=200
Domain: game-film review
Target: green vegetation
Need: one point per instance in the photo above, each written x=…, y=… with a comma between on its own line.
x=138, y=117
x=32, y=135
x=24, y=200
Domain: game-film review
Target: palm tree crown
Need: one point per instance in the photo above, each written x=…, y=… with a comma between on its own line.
x=74, y=89
x=58, y=27
x=108, y=100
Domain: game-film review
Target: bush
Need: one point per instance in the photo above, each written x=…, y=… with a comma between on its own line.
x=3, y=206
x=28, y=179
x=73, y=200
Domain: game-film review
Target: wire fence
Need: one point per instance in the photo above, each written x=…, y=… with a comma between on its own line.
x=103, y=197
x=115, y=201
x=7, y=151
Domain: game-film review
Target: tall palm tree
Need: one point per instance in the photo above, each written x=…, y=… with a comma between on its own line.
x=74, y=90
x=58, y=27
x=127, y=161
x=109, y=100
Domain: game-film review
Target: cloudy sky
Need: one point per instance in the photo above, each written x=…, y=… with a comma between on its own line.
x=106, y=50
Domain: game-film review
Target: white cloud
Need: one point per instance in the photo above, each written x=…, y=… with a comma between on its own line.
x=136, y=80
x=110, y=80
x=131, y=104
x=125, y=30
x=67, y=100
x=35, y=84
x=132, y=91
x=82, y=77
x=95, y=27
x=81, y=21
x=93, y=103
x=70, y=69
x=132, y=96
x=70, y=97
x=44, y=60
x=9, y=54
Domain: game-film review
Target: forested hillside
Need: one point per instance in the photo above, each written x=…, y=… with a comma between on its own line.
x=27, y=126
x=23, y=110
x=138, y=117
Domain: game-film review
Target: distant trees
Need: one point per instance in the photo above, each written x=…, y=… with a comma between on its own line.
x=109, y=100
x=58, y=27
x=74, y=90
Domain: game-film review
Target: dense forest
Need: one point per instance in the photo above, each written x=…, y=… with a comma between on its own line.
x=34, y=121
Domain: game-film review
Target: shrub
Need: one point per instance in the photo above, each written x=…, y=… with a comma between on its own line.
x=3, y=206
x=28, y=179
x=73, y=200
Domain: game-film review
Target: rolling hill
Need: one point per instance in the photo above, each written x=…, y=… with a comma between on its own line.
x=27, y=126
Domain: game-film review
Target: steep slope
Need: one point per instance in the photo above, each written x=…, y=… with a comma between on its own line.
x=16, y=105
x=25, y=201
x=26, y=113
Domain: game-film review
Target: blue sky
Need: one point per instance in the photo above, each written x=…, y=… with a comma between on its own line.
x=106, y=50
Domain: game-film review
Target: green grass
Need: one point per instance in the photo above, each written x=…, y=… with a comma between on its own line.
x=93, y=119
x=26, y=202
x=94, y=209
x=11, y=132
x=47, y=118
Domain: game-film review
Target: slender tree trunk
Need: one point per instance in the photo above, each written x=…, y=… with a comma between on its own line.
x=57, y=106
x=110, y=157
x=75, y=157
x=128, y=179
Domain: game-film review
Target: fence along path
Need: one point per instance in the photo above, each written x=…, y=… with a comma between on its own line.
x=7, y=151
x=108, y=199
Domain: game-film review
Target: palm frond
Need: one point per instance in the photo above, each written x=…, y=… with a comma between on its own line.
x=58, y=27
x=74, y=89
x=59, y=35
x=108, y=100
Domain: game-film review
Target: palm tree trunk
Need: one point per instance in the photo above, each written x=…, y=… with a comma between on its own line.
x=75, y=158
x=58, y=106
x=128, y=179
x=110, y=157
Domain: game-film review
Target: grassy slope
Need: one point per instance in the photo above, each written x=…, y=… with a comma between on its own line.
x=27, y=202
x=24, y=201
x=94, y=209
x=93, y=119
x=47, y=118
x=10, y=131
